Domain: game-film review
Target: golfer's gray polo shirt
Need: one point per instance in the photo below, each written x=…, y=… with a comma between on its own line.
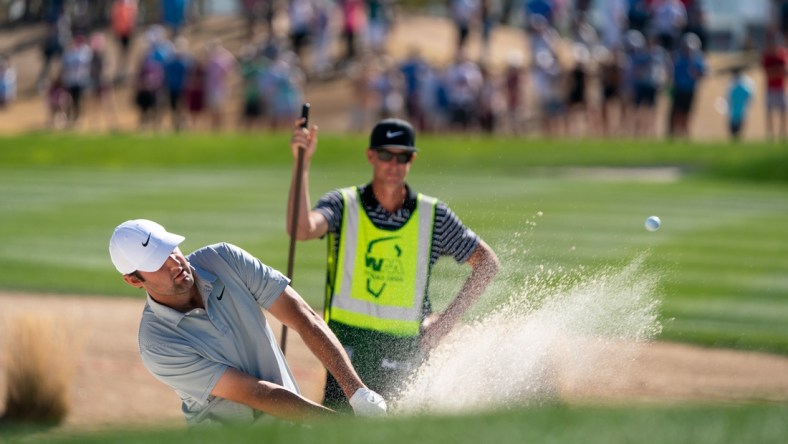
x=190, y=351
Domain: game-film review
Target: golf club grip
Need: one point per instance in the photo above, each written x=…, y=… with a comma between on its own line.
x=305, y=115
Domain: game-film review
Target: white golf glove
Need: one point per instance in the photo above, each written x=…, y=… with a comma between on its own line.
x=366, y=402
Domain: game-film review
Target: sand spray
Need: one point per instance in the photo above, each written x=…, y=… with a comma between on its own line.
x=550, y=334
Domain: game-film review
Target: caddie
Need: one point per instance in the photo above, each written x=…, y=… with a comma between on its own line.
x=383, y=238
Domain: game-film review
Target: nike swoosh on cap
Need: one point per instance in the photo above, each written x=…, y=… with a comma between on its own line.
x=390, y=134
x=145, y=244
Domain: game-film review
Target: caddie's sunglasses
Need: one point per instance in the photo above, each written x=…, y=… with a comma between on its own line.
x=385, y=156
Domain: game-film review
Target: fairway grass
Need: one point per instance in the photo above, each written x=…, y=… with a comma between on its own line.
x=691, y=424
x=721, y=253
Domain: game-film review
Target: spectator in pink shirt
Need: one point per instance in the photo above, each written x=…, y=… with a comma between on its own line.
x=218, y=66
x=353, y=18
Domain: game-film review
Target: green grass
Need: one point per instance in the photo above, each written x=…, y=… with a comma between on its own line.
x=721, y=254
x=548, y=424
x=440, y=154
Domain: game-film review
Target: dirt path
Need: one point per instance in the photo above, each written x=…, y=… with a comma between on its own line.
x=111, y=387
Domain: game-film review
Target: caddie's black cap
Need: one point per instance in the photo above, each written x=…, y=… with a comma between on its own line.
x=393, y=133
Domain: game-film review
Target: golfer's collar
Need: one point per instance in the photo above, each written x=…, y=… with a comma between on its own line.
x=165, y=313
x=369, y=201
x=203, y=280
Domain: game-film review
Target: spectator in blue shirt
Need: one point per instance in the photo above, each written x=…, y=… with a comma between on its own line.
x=689, y=67
x=175, y=71
x=544, y=8
x=740, y=93
x=7, y=82
x=174, y=14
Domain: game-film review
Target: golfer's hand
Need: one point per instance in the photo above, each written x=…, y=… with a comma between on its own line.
x=303, y=138
x=366, y=402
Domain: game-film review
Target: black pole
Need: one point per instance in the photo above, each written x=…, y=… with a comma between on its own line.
x=294, y=218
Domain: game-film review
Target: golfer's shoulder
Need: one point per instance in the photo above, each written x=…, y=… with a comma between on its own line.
x=219, y=252
x=210, y=251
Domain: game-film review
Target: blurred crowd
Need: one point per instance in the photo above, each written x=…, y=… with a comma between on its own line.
x=579, y=71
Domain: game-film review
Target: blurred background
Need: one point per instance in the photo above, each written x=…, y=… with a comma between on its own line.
x=577, y=68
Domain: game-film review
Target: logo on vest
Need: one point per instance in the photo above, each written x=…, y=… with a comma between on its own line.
x=383, y=264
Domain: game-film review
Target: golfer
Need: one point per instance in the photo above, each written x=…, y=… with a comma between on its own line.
x=203, y=332
x=383, y=238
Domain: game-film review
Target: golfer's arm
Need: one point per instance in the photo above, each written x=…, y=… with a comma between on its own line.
x=311, y=224
x=295, y=313
x=266, y=397
x=484, y=266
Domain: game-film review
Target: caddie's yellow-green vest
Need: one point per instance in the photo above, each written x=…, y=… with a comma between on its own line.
x=378, y=278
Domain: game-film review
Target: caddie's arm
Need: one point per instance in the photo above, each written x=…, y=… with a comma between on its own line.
x=311, y=224
x=484, y=266
x=267, y=397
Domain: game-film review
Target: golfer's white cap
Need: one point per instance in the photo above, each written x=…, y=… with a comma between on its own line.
x=142, y=245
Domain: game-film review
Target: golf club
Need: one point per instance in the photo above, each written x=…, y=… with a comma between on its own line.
x=294, y=219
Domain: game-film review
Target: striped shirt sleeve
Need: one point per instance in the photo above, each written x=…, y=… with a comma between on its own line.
x=451, y=237
x=331, y=206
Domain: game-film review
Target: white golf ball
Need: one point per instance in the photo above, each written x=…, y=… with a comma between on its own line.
x=653, y=223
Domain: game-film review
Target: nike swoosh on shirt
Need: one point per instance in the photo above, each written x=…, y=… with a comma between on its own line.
x=145, y=244
x=390, y=134
x=221, y=295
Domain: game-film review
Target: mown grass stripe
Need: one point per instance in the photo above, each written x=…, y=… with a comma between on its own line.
x=720, y=241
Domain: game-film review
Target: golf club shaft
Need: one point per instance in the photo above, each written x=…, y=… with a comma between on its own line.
x=294, y=218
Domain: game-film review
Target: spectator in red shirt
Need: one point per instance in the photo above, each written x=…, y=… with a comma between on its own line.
x=123, y=19
x=775, y=62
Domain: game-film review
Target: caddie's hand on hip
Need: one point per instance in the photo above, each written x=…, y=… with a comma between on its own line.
x=303, y=138
x=431, y=333
x=368, y=403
